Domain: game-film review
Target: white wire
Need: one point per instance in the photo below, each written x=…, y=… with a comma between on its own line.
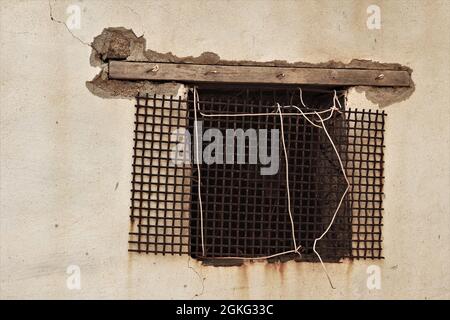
x=318, y=114
x=198, y=169
x=258, y=114
x=339, y=205
x=287, y=178
x=336, y=99
x=304, y=115
x=330, y=109
x=301, y=98
x=264, y=257
x=296, y=248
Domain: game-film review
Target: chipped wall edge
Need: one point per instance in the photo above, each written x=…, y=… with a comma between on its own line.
x=118, y=43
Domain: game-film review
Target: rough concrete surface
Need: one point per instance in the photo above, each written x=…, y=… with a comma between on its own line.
x=119, y=43
x=66, y=160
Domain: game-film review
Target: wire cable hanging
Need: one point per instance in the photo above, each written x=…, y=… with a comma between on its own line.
x=318, y=114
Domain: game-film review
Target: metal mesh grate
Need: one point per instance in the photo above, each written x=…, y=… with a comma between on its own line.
x=160, y=191
x=245, y=213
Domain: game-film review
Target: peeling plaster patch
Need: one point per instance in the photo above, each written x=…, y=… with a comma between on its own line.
x=385, y=96
x=213, y=58
x=117, y=44
x=105, y=88
x=123, y=44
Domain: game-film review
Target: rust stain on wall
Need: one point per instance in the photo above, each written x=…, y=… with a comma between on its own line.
x=278, y=268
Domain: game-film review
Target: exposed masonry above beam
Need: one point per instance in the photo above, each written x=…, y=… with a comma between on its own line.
x=203, y=73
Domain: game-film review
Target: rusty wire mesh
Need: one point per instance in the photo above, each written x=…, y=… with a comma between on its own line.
x=244, y=213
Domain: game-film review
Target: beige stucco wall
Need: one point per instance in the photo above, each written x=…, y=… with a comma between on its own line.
x=66, y=154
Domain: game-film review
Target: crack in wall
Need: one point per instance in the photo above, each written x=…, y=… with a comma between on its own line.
x=201, y=278
x=140, y=18
x=65, y=25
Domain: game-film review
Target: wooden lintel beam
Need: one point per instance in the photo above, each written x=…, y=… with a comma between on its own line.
x=195, y=73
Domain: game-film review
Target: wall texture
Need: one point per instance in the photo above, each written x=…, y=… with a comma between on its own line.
x=66, y=153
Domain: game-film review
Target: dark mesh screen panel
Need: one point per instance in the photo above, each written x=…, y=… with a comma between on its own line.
x=245, y=213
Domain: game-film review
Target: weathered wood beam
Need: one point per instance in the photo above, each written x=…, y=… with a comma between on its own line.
x=195, y=73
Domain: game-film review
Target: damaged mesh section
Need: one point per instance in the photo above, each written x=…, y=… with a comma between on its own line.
x=244, y=212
